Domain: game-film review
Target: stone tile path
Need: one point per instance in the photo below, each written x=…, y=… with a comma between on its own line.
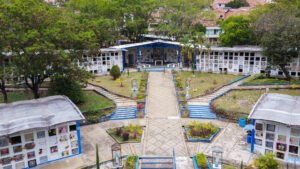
x=164, y=130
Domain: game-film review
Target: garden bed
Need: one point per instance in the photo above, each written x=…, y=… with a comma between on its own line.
x=202, y=83
x=201, y=162
x=131, y=162
x=127, y=134
x=201, y=132
x=238, y=103
x=123, y=87
x=259, y=80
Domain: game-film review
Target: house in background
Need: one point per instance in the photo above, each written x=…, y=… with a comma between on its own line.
x=277, y=126
x=37, y=132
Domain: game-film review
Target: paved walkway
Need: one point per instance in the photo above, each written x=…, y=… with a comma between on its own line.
x=164, y=130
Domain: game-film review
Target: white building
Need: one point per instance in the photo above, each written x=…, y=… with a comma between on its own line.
x=277, y=126
x=36, y=132
x=212, y=33
x=244, y=60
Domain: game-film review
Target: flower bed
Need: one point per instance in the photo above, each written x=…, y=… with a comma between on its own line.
x=200, y=132
x=131, y=162
x=200, y=161
x=127, y=134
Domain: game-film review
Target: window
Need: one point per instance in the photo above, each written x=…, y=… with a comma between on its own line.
x=257, y=58
x=43, y=159
x=269, y=144
x=31, y=155
x=246, y=54
x=259, y=126
x=246, y=58
x=4, y=151
x=52, y=132
x=258, y=142
x=116, y=54
x=241, y=54
x=72, y=127
x=271, y=127
x=54, y=149
x=236, y=54
x=295, y=132
x=252, y=54
x=259, y=133
x=31, y=163
x=62, y=130
x=270, y=136
x=263, y=59
x=281, y=147
x=3, y=142
x=293, y=149
x=17, y=149
x=29, y=137
x=280, y=155
x=294, y=141
x=281, y=138
x=40, y=134
x=18, y=157
x=15, y=140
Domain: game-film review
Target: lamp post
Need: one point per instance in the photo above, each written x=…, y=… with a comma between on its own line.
x=217, y=154
x=116, y=155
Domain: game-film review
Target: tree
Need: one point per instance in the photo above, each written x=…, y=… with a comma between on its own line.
x=60, y=85
x=237, y=3
x=181, y=17
x=115, y=72
x=40, y=36
x=237, y=31
x=266, y=161
x=280, y=37
x=6, y=74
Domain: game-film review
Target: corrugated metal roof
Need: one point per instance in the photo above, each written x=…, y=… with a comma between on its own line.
x=132, y=45
x=38, y=113
x=278, y=108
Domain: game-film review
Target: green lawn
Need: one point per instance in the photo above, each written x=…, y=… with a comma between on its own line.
x=115, y=85
x=238, y=101
x=93, y=101
x=261, y=80
x=204, y=83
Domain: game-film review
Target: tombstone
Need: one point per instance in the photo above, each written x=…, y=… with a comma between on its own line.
x=217, y=154
x=116, y=156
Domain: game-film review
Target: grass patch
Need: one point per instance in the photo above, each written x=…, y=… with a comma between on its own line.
x=241, y=101
x=130, y=162
x=263, y=80
x=93, y=100
x=114, y=86
x=201, y=130
x=202, y=83
x=127, y=134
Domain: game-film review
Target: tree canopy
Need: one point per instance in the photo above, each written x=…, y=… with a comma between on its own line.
x=237, y=31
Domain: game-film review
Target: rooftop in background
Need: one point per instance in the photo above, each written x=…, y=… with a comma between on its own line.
x=224, y=12
x=277, y=108
x=38, y=113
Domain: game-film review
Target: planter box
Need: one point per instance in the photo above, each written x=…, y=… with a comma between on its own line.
x=196, y=164
x=206, y=140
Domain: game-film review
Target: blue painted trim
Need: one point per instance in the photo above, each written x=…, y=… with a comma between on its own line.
x=137, y=162
x=178, y=55
x=123, y=56
x=52, y=161
x=139, y=56
x=78, y=136
x=252, y=137
x=190, y=139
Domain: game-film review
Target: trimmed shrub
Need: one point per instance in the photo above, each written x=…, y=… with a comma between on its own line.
x=61, y=85
x=201, y=161
x=115, y=72
x=130, y=163
x=237, y=4
x=125, y=136
x=119, y=131
x=266, y=161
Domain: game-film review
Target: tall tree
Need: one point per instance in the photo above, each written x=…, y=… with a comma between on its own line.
x=45, y=41
x=280, y=37
x=237, y=31
x=181, y=17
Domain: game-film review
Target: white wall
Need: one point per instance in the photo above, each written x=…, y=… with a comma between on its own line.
x=65, y=140
x=285, y=140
